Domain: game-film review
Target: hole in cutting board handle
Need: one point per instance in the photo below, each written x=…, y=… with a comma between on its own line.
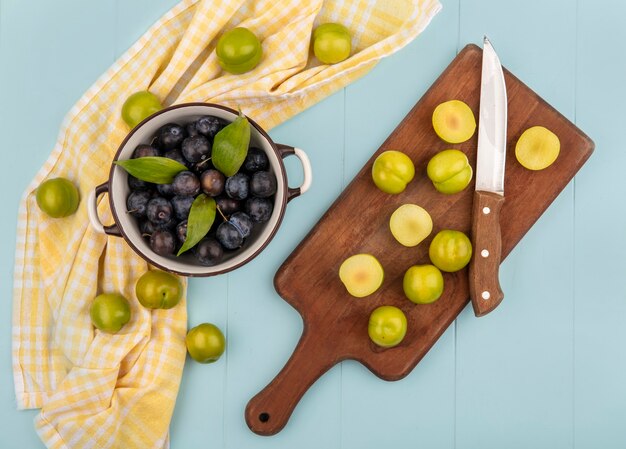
x=264, y=417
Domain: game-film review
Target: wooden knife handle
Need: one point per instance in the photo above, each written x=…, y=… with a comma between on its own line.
x=485, y=291
x=268, y=412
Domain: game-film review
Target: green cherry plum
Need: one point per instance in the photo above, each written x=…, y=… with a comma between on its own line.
x=449, y=171
x=387, y=326
x=392, y=171
x=332, y=43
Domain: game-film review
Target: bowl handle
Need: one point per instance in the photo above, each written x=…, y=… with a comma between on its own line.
x=92, y=211
x=287, y=150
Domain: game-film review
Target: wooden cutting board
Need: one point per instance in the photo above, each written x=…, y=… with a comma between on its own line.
x=335, y=324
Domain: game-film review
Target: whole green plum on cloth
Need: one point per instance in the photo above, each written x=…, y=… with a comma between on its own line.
x=239, y=50
x=140, y=106
x=57, y=197
x=158, y=289
x=332, y=43
x=110, y=312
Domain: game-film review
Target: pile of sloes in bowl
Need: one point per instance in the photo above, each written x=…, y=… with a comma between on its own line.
x=242, y=200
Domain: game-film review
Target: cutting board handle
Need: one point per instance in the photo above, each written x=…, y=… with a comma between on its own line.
x=268, y=412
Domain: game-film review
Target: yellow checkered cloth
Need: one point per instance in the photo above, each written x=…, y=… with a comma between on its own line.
x=98, y=390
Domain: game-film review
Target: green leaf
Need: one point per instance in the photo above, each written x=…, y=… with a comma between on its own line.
x=159, y=170
x=230, y=146
x=201, y=217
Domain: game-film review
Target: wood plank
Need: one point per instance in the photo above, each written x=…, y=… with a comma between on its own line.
x=600, y=302
x=41, y=77
x=335, y=324
x=263, y=329
x=514, y=366
x=203, y=386
x=134, y=18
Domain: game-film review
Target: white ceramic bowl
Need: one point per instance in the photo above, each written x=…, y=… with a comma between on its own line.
x=127, y=227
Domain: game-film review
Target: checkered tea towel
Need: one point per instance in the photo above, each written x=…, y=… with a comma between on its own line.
x=99, y=390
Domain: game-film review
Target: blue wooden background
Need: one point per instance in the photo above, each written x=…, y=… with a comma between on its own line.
x=545, y=370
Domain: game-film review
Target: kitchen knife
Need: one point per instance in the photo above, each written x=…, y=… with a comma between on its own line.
x=485, y=291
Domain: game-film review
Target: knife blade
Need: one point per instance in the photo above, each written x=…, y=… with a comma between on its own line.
x=485, y=291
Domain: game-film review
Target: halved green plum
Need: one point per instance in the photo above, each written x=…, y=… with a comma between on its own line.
x=410, y=224
x=361, y=274
x=454, y=121
x=537, y=148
